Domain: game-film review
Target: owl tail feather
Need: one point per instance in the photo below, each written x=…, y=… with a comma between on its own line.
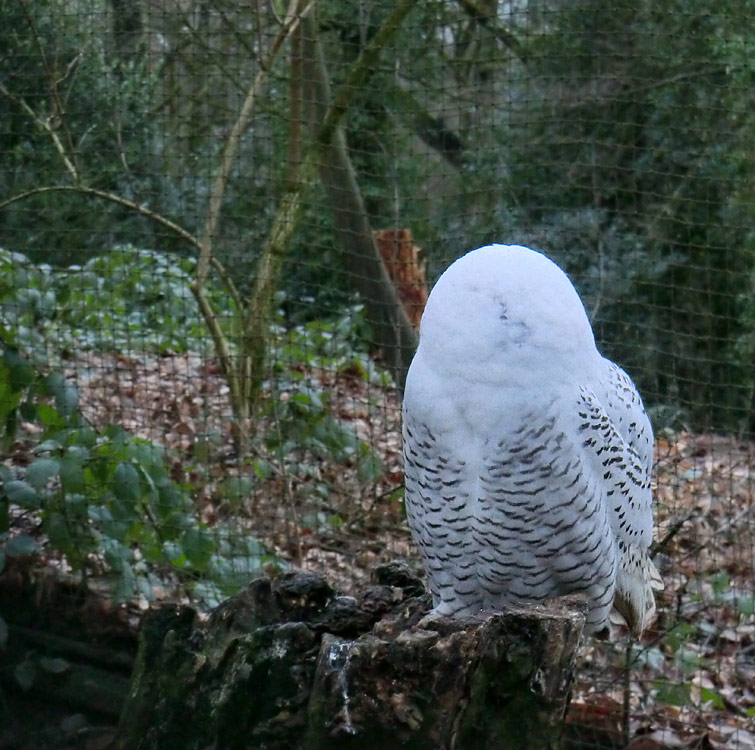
x=634, y=601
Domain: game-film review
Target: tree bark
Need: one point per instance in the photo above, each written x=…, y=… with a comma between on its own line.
x=289, y=663
x=127, y=29
x=430, y=129
x=391, y=328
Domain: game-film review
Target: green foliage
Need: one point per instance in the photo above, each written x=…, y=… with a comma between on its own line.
x=333, y=345
x=106, y=500
x=723, y=592
x=674, y=694
x=137, y=300
x=125, y=300
x=627, y=161
x=678, y=658
x=304, y=428
x=54, y=59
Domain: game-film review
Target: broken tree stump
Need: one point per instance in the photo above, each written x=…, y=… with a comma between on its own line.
x=401, y=260
x=289, y=663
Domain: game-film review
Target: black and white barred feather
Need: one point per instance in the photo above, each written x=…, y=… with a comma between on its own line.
x=527, y=454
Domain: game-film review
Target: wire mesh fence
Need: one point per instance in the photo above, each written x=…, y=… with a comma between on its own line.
x=219, y=222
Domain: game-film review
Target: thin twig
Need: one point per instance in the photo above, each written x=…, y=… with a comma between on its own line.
x=481, y=15
x=677, y=526
x=68, y=153
x=47, y=127
x=234, y=138
x=110, y=197
x=222, y=351
x=225, y=277
x=257, y=317
x=360, y=71
x=627, y=690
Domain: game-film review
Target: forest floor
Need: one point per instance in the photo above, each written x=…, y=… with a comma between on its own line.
x=691, y=682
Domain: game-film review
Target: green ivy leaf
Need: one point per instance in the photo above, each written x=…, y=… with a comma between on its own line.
x=174, y=553
x=678, y=636
x=263, y=469
x=236, y=489
x=720, y=583
x=50, y=417
x=53, y=383
x=198, y=546
x=126, y=484
x=74, y=725
x=714, y=698
x=28, y=411
x=169, y=500
x=20, y=371
x=674, y=694
x=369, y=466
x=72, y=475
x=117, y=555
x=56, y=526
x=207, y=592
x=54, y=665
x=25, y=674
x=47, y=446
x=23, y=494
x=41, y=471
x=67, y=400
x=9, y=400
x=99, y=513
x=688, y=660
x=21, y=546
x=84, y=436
x=126, y=587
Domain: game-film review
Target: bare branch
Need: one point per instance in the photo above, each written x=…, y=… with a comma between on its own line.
x=360, y=71
x=68, y=153
x=47, y=127
x=221, y=346
x=256, y=322
x=234, y=138
x=110, y=197
x=483, y=17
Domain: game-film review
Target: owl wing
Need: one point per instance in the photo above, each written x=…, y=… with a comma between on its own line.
x=619, y=439
x=625, y=408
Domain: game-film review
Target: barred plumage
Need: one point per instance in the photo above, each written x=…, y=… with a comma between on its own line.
x=527, y=454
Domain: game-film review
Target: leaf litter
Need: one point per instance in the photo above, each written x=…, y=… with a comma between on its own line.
x=691, y=683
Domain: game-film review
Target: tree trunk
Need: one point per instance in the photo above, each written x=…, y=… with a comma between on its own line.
x=391, y=328
x=290, y=664
x=127, y=29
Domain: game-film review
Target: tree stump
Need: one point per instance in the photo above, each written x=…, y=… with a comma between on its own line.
x=289, y=663
x=401, y=259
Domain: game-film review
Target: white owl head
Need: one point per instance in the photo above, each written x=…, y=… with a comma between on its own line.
x=506, y=306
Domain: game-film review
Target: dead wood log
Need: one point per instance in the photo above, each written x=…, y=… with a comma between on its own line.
x=401, y=259
x=65, y=673
x=290, y=664
x=66, y=646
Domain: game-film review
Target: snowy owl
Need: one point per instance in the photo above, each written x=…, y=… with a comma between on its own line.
x=527, y=454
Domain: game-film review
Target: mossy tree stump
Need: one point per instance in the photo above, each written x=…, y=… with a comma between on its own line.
x=290, y=664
